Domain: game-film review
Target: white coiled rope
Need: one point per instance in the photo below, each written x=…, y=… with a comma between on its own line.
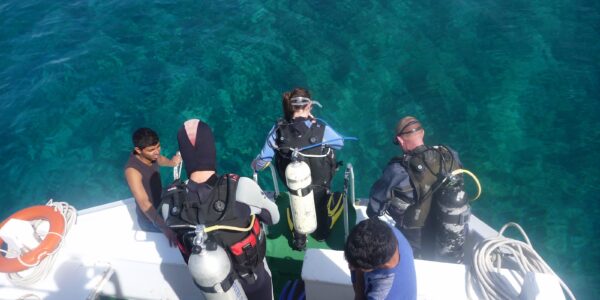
x=38, y=272
x=485, y=275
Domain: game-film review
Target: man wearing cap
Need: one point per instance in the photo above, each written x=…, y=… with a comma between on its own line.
x=407, y=189
x=228, y=200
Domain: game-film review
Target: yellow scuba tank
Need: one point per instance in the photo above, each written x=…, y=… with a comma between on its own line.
x=302, y=203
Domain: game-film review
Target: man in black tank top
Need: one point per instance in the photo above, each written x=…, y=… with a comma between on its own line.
x=143, y=176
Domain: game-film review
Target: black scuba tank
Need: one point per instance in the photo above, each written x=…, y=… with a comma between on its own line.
x=452, y=215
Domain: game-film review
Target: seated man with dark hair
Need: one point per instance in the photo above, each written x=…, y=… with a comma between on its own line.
x=143, y=176
x=381, y=262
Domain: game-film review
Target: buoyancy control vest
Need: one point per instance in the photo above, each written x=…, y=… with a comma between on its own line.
x=296, y=134
x=438, y=202
x=426, y=167
x=247, y=249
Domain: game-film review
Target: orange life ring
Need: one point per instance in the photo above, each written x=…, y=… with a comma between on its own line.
x=45, y=248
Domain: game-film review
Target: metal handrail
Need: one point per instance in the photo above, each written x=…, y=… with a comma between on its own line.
x=106, y=275
x=177, y=169
x=352, y=190
x=275, y=181
x=348, y=178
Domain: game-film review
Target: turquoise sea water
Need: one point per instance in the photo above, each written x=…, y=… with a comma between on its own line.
x=513, y=85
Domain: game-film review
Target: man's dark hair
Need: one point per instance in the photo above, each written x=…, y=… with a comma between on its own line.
x=371, y=243
x=144, y=137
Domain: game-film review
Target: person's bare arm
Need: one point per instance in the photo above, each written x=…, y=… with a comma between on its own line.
x=165, y=162
x=134, y=180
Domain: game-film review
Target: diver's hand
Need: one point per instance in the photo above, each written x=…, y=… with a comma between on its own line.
x=170, y=235
x=176, y=159
x=259, y=165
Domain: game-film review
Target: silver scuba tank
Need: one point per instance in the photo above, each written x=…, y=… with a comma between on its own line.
x=212, y=271
x=453, y=212
x=302, y=199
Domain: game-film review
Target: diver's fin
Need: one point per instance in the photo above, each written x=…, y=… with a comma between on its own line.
x=293, y=290
x=335, y=207
x=289, y=219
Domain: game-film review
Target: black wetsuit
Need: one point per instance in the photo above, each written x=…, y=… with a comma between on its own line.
x=255, y=280
x=396, y=194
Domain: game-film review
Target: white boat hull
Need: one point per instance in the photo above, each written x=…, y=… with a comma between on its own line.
x=106, y=253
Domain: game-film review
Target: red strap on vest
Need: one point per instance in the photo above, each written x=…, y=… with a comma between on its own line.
x=238, y=248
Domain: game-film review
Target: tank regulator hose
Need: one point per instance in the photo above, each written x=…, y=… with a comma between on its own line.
x=349, y=138
x=231, y=228
x=465, y=171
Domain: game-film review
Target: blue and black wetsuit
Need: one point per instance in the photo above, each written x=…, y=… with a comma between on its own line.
x=298, y=133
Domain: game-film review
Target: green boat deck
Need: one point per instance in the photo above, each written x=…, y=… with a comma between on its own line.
x=285, y=263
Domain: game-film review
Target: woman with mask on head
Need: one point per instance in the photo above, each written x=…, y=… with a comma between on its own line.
x=300, y=136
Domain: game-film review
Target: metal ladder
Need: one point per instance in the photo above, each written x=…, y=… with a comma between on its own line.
x=348, y=184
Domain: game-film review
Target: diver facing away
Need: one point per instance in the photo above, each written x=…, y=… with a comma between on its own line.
x=222, y=203
x=300, y=137
x=431, y=211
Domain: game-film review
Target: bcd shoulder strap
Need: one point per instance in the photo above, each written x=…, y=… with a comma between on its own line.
x=172, y=201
